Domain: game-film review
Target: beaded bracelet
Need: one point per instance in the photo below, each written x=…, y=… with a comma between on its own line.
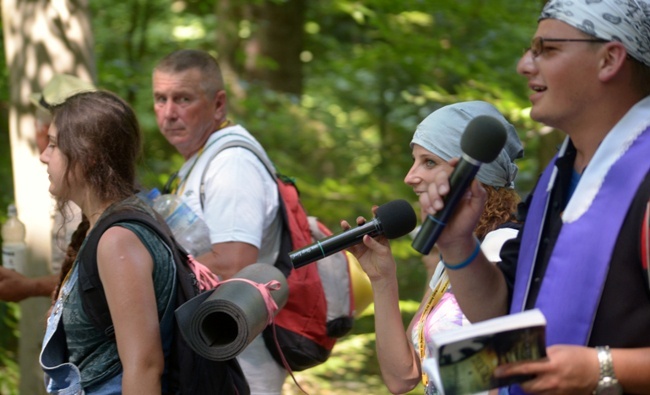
x=467, y=261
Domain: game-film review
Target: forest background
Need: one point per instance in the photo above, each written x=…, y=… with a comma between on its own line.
x=333, y=89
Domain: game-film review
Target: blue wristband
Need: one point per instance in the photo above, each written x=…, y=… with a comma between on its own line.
x=467, y=261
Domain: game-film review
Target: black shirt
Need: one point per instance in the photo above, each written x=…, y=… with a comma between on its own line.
x=623, y=314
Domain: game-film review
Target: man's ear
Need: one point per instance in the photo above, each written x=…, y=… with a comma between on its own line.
x=613, y=58
x=220, y=105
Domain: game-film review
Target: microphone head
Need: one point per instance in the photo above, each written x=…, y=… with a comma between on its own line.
x=397, y=218
x=483, y=139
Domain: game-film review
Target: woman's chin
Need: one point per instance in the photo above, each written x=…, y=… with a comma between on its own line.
x=53, y=191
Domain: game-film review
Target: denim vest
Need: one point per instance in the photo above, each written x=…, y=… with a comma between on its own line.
x=64, y=378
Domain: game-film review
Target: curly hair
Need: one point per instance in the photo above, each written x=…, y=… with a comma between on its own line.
x=500, y=208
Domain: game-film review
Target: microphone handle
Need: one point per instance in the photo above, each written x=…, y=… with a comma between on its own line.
x=433, y=225
x=335, y=243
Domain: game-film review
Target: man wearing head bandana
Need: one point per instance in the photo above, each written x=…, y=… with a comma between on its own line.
x=579, y=256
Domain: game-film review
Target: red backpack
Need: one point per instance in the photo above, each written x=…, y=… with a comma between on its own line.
x=320, y=308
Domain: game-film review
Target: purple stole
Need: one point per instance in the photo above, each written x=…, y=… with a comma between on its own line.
x=576, y=273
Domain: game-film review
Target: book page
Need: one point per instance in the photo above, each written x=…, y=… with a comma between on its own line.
x=462, y=361
x=467, y=366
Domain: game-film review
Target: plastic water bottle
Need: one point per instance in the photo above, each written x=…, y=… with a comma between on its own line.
x=14, y=249
x=164, y=204
x=188, y=229
x=148, y=196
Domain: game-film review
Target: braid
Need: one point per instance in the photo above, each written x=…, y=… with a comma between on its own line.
x=71, y=254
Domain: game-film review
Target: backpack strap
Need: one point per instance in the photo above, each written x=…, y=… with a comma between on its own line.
x=91, y=289
x=283, y=262
x=241, y=142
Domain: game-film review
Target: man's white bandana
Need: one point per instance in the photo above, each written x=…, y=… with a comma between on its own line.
x=626, y=21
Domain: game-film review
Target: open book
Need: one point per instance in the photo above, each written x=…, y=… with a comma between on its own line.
x=461, y=361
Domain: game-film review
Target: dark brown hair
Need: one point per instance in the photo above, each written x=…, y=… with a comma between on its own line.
x=99, y=135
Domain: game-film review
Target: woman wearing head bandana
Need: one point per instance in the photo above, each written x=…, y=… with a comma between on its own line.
x=435, y=142
x=581, y=257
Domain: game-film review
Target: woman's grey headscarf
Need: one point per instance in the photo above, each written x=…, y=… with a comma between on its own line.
x=441, y=131
x=626, y=21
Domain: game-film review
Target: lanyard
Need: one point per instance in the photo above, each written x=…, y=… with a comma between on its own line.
x=438, y=291
x=181, y=184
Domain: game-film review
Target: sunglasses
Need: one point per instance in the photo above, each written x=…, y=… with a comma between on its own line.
x=537, y=44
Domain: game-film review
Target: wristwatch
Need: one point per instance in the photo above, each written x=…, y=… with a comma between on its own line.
x=608, y=383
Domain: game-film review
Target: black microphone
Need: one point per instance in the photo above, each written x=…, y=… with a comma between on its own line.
x=482, y=141
x=393, y=219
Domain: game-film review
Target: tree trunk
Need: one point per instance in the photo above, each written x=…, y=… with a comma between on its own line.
x=229, y=14
x=272, y=51
x=42, y=38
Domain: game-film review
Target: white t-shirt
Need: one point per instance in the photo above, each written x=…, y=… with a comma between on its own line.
x=240, y=196
x=240, y=204
x=493, y=241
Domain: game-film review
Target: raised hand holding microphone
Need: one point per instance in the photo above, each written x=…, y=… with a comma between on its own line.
x=393, y=219
x=482, y=141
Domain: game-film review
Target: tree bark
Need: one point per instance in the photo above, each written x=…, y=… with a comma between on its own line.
x=229, y=14
x=271, y=54
x=42, y=38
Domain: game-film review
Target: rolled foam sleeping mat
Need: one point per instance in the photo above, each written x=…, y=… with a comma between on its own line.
x=220, y=323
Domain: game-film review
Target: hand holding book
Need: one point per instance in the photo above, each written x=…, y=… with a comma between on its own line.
x=462, y=361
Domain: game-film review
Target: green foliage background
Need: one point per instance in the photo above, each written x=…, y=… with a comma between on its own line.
x=373, y=70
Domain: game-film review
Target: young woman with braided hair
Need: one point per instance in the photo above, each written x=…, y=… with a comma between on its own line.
x=94, y=142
